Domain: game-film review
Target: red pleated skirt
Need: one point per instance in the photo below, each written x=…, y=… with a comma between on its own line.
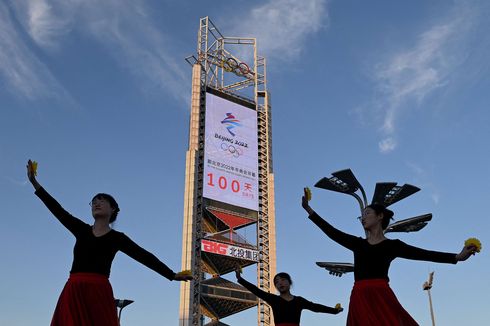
x=373, y=303
x=86, y=300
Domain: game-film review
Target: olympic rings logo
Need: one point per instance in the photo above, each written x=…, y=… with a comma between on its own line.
x=230, y=64
x=234, y=151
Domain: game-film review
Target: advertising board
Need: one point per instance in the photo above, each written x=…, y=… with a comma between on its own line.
x=229, y=250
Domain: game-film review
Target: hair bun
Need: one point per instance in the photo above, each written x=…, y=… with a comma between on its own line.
x=388, y=213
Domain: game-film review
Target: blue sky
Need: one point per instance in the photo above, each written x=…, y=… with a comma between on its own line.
x=98, y=93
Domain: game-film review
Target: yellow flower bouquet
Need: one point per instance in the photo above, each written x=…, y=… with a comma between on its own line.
x=308, y=193
x=34, y=168
x=473, y=242
x=186, y=272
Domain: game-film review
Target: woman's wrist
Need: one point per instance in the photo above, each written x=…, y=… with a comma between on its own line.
x=35, y=184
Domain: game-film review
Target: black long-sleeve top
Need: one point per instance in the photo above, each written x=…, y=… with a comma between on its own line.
x=93, y=254
x=373, y=261
x=286, y=311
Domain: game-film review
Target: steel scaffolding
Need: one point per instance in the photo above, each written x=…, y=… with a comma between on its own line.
x=220, y=65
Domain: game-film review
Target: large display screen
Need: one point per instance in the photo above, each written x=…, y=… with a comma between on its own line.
x=231, y=153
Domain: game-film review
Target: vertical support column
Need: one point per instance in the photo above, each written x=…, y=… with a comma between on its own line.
x=189, y=314
x=197, y=317
x=266, y=268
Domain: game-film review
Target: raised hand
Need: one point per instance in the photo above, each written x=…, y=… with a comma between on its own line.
x=304, y=202
x=238, y=272
x=466, y=252
x=31, y=174
x=183, y=276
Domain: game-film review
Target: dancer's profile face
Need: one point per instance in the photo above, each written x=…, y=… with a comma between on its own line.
x=370, y=218
x=282, y=284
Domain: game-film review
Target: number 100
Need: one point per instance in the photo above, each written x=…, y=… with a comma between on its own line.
x=223, y=183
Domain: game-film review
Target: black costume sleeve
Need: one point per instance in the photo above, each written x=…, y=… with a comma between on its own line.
x=410, y=252
x=130, y=248
x=344, y=239
x=266, y=296
x=316, y=307
x=72, y=223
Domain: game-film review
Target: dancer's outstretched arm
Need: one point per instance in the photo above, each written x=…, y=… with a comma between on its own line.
x=316, y=307
x=342, y=238
x=415, y=253
x=72, y=223
x=130, y=248
x=266, y=296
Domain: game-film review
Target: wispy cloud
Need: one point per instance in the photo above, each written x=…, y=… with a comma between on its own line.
x=128, y=34
x=405, y=79
x=387, y=145
x=123, y=27
x=282, y=26
x=22, y=72
x=423, y=179
x=14, y=181
x=45, y=21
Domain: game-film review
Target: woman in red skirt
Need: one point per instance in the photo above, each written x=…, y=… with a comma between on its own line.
x=372, y=302
x=286, y=307
x=87, y=298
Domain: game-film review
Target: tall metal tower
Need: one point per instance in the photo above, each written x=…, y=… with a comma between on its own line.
x=229, y=180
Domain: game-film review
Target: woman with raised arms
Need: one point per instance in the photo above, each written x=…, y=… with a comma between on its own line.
x=286, y=307
x=372, y=302
x=87, y=298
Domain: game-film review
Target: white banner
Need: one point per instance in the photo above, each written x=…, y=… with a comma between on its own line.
x=229, y=250
x=231, y=153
